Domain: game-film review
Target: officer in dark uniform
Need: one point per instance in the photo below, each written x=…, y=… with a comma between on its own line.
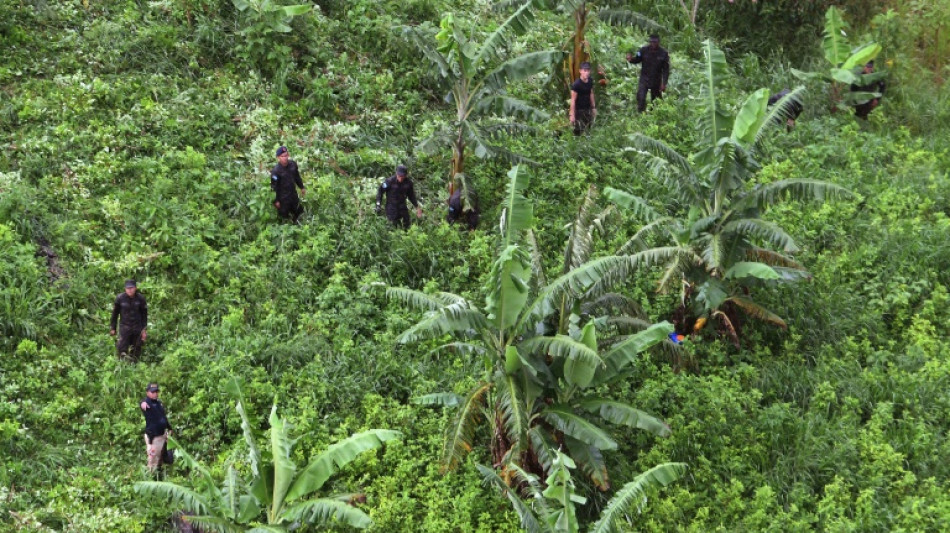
x=284, y=180
x=398, y=189
x=131, y=305
x=460, y=210
x=864, y=109
x=654, y=72
x=794, y=112
x=157, y=427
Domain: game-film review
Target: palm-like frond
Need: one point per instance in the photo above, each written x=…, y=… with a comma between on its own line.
x=520, y=68
x=215, y=524
x=773, y=259
x=625, y=353
x=627, y=17
x=528, y=521
x=459, y=434
x=434, y=143
x=176, y=494
x=663, y=151
x=756, y=311
x=508, y=106
x=566, y=421
x=514, y=412
x=336, y=457
x=439, y=399
x=580, y=361
x=796, y=189
x=636, y=205
x=425, y=301
x=509, y=290
x=579, y=242
x=633, y=496
x=591, y=461
x=537, y=262
x=423, y=44
x=781, y=111
x=543, y=446
x=448, y=319
x=612, y=301
x=761, y=229
x=625, y=415
x=322, y=511
x=515, y=25
x=637, y=243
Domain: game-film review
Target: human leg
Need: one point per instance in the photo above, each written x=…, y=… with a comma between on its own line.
x=153, y=449
x=642, y=96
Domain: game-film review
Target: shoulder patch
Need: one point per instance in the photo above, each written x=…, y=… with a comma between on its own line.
x=385, y=184
x=273, y=177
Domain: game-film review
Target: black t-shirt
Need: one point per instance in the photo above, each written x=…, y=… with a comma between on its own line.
x=156, y=423
x=583, y=90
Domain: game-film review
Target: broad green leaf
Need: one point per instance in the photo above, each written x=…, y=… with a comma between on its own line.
x=567, y=422
x=862, y=55
x=751, y=117
x=841, y=75
x=284, y=467
x=624, y=353
x=441, y=399
x=835, y=43
x=715, y=122
x=520, y=68
x=625, y=415
x=756, y=270
x=337, y=456
x=295, y=10
x=324, y=511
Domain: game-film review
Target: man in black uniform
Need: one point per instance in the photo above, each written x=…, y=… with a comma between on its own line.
x=864, y=109
x=284, y=180
x=157, y=427
x=398, y=189
x=131, y=305
x=794, y=112
x=460, y=210
x=583, y=109
x=654, y=73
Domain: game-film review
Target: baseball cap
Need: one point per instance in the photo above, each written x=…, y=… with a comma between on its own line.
x=130, y=283
x=401, y=170
x=152, y=387
x=281, y=150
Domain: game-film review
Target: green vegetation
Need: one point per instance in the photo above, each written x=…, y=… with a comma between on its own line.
x=135, y=139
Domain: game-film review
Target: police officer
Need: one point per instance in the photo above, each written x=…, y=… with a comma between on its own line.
x=398, y=189
x=793, y=113
x=654, y=72
x=284, y=180
x=157, y=427
x=864, y=109
x=462, y=211
x=131, y=305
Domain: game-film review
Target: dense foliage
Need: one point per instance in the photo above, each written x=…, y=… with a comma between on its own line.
x=135, y=137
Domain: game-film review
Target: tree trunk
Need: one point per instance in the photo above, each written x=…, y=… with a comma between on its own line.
x=458, y=161
x=578, y=53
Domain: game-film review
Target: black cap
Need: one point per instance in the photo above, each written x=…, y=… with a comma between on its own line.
x=401, y=170
x=130, y=284
x=654, y=37
x=152, y=387
x=869, y=64
x=585, y=65
x=281, y=150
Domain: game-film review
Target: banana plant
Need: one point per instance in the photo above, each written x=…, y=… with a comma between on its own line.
x=552, y=507
x=718, y=247
x=540, y=389
x=277, y=496
x=582, y=13
x=846, y=62
x=477, y=85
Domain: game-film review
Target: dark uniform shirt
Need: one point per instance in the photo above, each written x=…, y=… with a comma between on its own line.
x=656, y=65
x=397, y=194
x=873, y=87
x=285, y=180
x=796, y=109
x=156, y=423
x=583, y=90
x=134, y=312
